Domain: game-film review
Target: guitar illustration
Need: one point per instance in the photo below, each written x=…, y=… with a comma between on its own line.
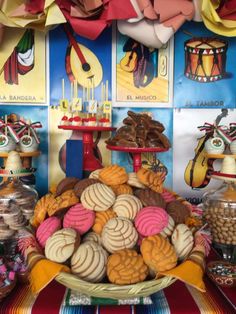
x=198, y=171
x=129, y=62
x=82, y=64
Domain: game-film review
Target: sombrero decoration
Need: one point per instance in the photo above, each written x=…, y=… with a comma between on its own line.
x=14, y=168
x=228, y=170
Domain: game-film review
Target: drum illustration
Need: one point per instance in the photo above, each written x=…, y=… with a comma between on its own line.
x=205, y=59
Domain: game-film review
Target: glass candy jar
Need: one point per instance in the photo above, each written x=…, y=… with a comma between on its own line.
x=220, y=213
x=24, y=197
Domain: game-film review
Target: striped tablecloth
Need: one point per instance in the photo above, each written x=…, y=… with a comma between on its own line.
x=176, y=299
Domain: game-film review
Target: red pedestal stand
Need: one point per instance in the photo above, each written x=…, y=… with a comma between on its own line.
x=137, y=153
x=90, y=162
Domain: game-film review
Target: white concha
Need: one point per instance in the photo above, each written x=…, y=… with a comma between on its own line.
x=182, y=240
x=89, y=262
x=61, y=245
x=92, y=236
x=98, y=197
x=133, y=181
x=95, y=174
x=167, y=231
x=127, y=206
x=119, y=233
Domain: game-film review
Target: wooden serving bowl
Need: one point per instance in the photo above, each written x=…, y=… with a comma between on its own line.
x=222, y=273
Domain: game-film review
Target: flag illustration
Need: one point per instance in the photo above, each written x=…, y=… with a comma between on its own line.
x=21, y=61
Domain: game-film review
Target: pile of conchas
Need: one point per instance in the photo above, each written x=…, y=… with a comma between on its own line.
x=115, y=226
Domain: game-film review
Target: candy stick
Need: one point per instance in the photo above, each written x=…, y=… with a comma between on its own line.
x=92, y=88
x=71, y=90
x=106, y=89
x=63, y=88
x=102, y=91
x=5, y=124
x=83, y=94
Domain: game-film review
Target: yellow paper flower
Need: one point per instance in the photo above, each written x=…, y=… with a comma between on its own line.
x=214, y=22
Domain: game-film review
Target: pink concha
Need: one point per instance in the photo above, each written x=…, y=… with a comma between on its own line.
x=151, y=220
x=46, y=229
x=79, y=218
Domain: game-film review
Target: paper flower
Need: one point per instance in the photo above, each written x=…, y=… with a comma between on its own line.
x=220, y=16
x=35, y=14
x=90, y=18
x=158, y=20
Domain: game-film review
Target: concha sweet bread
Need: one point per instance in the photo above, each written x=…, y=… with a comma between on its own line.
x=83, y=184
x=66, y=184
x=95, y=174
x=150, y=198
x=92, y=236
x=158, y=253
x=64, y=201
x=79, y=218
x=101, y=218
x=127, y=206
x=126, y=267
x=154, y=180
x=151, y=220
x=89, y=262
x=182, y=239
x=134, y=181
x=98, y=197
x=178, y=211
x=41, y=209
x=168, y=230
x=119, y=233
x=122, y=189
x=61, y=245
x=46, y=229
x=113, y=175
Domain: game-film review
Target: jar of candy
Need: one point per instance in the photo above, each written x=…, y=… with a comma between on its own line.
x=220, y=213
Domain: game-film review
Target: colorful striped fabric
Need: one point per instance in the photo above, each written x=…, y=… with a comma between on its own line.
x=176, y=299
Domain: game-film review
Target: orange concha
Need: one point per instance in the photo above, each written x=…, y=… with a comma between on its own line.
x=65, y=200
x=101, y=219
x=41, y=209
x=122, y=189
x=126, y=267
x=158, y=253
x=113, y=175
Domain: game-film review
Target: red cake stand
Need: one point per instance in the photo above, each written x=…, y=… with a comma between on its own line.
x=137, y=153
x=90, y=162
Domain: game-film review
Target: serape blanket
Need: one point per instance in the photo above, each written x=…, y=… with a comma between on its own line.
x=175, y=299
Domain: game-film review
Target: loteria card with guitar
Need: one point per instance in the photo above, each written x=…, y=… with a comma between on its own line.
x=142, y=76
x=80, y=79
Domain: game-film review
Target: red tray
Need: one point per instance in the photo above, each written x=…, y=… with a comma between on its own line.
x=137, y=150
x=137, y=153
x=84, y=128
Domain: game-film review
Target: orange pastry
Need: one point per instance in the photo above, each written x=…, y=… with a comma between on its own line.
x=158, y=254
x=41, y=208
x=126, y=267
x=113, y=175
x=65, y=200
x=122, y=189
x=154, y=180
x=101, y=219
